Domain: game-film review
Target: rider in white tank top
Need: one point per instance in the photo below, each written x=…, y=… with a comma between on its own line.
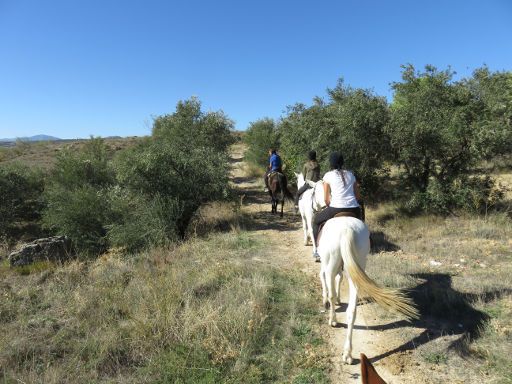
x=342, y=188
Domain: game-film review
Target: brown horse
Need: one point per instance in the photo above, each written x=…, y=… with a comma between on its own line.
x=278, y=190
x=368, y=372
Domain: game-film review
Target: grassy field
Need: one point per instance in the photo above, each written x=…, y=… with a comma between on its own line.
x=209, y=310
x=459, y=271
x=206, y=311
x=42, y=154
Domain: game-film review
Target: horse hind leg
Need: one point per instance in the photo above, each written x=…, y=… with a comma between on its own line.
x=305, y=229
x=339, y=279
x=331, y=291
x=351, y=317
x=282, y=206
x=325, y=300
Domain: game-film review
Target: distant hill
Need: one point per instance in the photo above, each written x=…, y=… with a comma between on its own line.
x=32, y=138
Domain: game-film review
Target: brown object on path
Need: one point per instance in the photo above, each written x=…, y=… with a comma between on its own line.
x=368, y=372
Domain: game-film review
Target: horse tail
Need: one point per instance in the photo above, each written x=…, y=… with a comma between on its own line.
x=284, y=188
x=391, y=299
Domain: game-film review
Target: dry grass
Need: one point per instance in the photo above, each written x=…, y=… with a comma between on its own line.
x=207, y=311
x=44, y=153
x=218, y=217
x=252, y=170
x=459, y=270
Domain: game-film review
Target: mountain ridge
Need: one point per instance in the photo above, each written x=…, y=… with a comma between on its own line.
x=40, y=137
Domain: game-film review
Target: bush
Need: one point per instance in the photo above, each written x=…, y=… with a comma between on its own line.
x=78, y=205
x=493, y=125
x=352, y=122
x=82, y=214
x=475, y=194
x=440, y=130
x=189, y=127
x=149, y=194
x=182, y=166
x=138, y=222
x=21, y=199
x=187, y=176
x=260, y=137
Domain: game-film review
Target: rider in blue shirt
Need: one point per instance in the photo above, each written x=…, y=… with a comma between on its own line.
x=275, y=165
x=275, y=162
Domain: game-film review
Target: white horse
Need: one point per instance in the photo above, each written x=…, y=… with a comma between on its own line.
x=344, y=245
x=306, y=211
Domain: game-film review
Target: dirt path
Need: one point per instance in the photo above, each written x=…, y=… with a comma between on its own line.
x=372, y=336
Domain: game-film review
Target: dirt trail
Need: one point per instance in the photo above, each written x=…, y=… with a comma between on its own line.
x=372, y=336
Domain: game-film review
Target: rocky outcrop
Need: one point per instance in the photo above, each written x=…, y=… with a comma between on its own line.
x=57, y=248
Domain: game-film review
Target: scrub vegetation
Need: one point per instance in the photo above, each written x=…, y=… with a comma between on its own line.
x=168, y=283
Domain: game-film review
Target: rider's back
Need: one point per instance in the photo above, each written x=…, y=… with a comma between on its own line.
x=275, y=162
x=311, y=171
x=342, y=184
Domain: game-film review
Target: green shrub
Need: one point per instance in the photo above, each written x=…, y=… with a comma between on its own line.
x=352, y=122
x=82, y=214
x=138, y=222
x=87, y=166
x=475, y=194
x=173, y=167
x=260, y=137
x=78, y=204
x=440, y=130
x=189, y=127
x=21, y=199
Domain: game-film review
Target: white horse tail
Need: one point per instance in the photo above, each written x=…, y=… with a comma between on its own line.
x=391, y=299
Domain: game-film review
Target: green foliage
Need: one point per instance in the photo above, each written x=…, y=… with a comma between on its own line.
x=436, y=358
x=189, y=127
x=149, y=194
x=430, y=127
x=183, y=174
x=77, y=204
x=20, y=197
x=88, y=166
x=438, y=135
x=260, y=137
x=473, y=194
x=493, y=128
x=82, y=214
x=138, y=221
x=184, y=365
x=352, y=122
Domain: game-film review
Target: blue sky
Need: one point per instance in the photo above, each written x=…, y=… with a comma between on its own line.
x=75, y=68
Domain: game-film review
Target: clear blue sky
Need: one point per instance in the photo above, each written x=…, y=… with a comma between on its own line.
x=74, y=68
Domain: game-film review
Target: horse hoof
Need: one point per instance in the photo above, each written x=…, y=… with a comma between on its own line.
x=327, y=305
x=347, y=359
x=334, y=323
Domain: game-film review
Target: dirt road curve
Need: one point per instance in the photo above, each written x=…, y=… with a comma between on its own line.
x=371, y=336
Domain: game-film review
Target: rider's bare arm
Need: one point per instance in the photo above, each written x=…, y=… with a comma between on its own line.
x=327, y=193
x=356, y=191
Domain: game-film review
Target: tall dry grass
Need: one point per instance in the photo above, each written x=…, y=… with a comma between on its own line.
x=206, y=311
x=459, y=270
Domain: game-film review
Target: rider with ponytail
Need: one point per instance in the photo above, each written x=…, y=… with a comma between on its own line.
x=341, y=193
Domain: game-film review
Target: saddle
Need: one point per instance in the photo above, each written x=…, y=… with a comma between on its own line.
x=347, y=214
x=339, y=214
x=272, y=174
